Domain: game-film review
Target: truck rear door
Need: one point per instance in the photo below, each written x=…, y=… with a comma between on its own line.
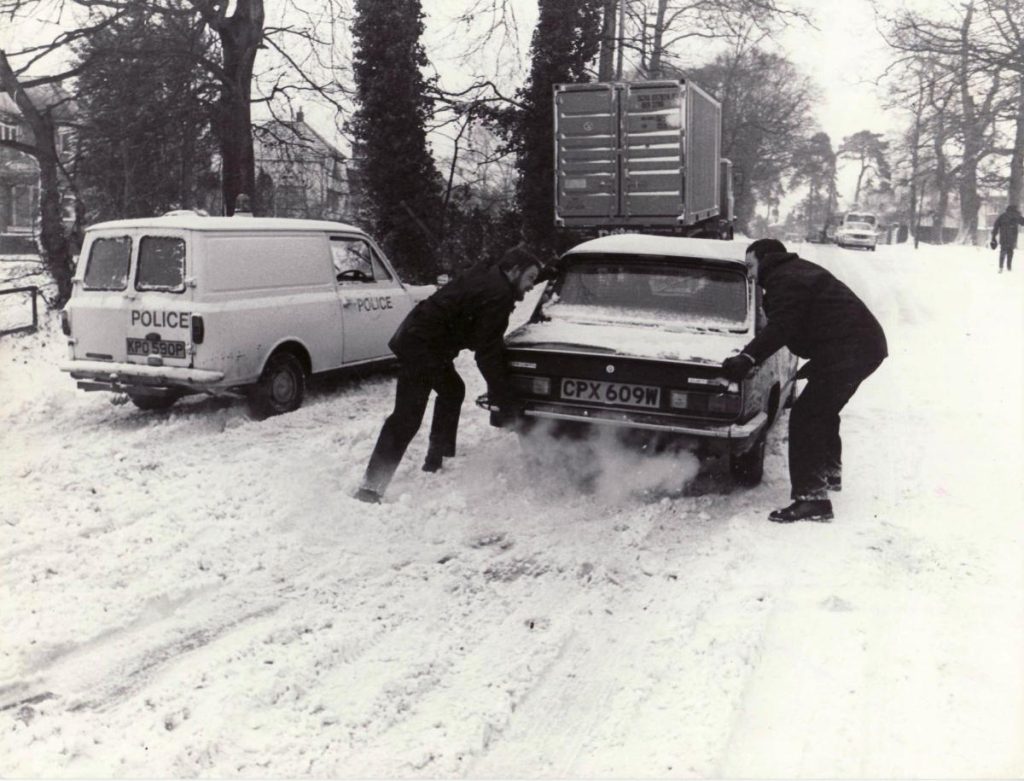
x=587, y=147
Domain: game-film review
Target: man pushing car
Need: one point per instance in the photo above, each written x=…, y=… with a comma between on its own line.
x=818, y=318
x=471, y=312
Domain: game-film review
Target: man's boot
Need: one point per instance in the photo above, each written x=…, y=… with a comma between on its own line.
x=433, y=461
x=368, y=495
x=804, y=510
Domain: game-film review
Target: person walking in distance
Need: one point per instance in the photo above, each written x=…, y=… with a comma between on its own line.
x=1004, y=235
x=818, y=318
x=471, y=312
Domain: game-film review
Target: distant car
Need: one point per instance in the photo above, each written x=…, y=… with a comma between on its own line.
x=857, y=234
x=631, y=333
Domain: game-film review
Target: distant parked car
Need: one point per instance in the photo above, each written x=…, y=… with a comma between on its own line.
x=631, y=334
x=857, y=234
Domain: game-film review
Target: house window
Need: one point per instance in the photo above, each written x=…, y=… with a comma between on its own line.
x=8, y=132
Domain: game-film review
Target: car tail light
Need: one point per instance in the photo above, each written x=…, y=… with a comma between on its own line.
x=726, y=403
x=198, y=329
x=538, y=386
x=65, y=322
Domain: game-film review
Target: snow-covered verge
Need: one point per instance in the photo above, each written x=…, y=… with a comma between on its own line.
x=196, y=594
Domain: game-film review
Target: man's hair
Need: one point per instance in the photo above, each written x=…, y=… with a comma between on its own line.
x=518, y=259
x=763, y=247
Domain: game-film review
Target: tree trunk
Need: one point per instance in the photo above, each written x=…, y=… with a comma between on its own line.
x=968, y=179
x=606, y=67
x=1016, y=189
x=654, y=68
x=55, y=245
x=240, y=35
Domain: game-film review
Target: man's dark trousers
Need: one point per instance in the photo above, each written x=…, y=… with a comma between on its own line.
x=815, y=447
x=1006, y=253
x=411, y=396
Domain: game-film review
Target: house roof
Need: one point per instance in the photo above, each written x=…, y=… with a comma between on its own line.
x=298, y=132
x=43, y=96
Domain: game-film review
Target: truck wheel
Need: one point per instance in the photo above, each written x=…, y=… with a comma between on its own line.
x=153, y=403
x=280, y=388
x=748, y=468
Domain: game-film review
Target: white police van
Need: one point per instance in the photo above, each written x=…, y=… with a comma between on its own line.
x=182, y=304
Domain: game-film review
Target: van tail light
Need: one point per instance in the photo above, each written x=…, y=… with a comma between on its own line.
x=65, y=322
x=198, y=329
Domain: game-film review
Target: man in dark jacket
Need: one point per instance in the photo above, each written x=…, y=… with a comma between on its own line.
x=1004, y=235
x=819, y=318
x=471, y=312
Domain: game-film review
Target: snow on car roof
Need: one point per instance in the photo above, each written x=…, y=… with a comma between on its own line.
x=193, y=221
x=641, y=244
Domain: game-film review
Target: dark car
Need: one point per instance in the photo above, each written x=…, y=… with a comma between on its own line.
x=631, y=333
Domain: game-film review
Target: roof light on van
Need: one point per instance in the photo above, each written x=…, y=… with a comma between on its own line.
x=198, y=329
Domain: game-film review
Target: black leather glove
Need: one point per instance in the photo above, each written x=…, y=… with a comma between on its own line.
x=736, y=367
x=993, y=244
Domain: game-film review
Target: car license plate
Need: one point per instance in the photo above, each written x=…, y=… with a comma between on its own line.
x=611, y=392
x=156, y=347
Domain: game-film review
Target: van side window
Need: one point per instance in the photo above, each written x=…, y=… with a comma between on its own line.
x=161, y=264
x=109, y=260
x=355, y=261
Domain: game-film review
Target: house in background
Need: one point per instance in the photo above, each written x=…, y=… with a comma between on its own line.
x=301, y=174
x=19, y=172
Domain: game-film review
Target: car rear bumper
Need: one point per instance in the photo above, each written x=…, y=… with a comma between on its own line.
x=648, y=421
x=101, y=375
x=849, y=241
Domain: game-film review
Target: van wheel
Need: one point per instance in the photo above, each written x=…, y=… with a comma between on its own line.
x=280, y=388
x=153, y=403
x=748, y=468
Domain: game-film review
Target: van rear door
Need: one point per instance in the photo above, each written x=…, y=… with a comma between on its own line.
x=133, y=301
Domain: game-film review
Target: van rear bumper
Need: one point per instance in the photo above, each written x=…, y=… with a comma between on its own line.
x=125, y=375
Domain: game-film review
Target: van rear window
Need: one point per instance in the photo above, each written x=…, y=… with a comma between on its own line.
x=161, y=264
x=107, y=268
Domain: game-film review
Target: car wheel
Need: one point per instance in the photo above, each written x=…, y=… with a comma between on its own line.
x=748, y=468
x=280, y=388
x=153, y=403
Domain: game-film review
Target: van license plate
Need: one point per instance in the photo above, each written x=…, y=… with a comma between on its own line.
x=611, y=392
x=156, y=347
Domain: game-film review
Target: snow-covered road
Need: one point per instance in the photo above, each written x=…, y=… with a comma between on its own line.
x=195, y=593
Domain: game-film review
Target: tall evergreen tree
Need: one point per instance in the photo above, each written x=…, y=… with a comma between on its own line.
x=566, y=40
x=398, y=173
x=145, y=142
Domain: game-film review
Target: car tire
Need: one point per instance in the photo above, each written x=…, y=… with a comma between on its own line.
x=748, y=468
x=153, y=403
x=280, y=388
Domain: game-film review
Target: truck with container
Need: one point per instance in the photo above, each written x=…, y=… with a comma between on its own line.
x=641, y=157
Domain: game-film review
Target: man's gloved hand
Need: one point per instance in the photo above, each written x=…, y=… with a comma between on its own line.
x=993, y=244
x=736, y=367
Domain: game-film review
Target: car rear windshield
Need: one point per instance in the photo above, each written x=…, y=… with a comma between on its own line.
x=107, y=267
x=161, y=264
x=670, y=292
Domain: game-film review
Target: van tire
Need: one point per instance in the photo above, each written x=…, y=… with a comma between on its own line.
x=280, y=388
x=153, y=403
